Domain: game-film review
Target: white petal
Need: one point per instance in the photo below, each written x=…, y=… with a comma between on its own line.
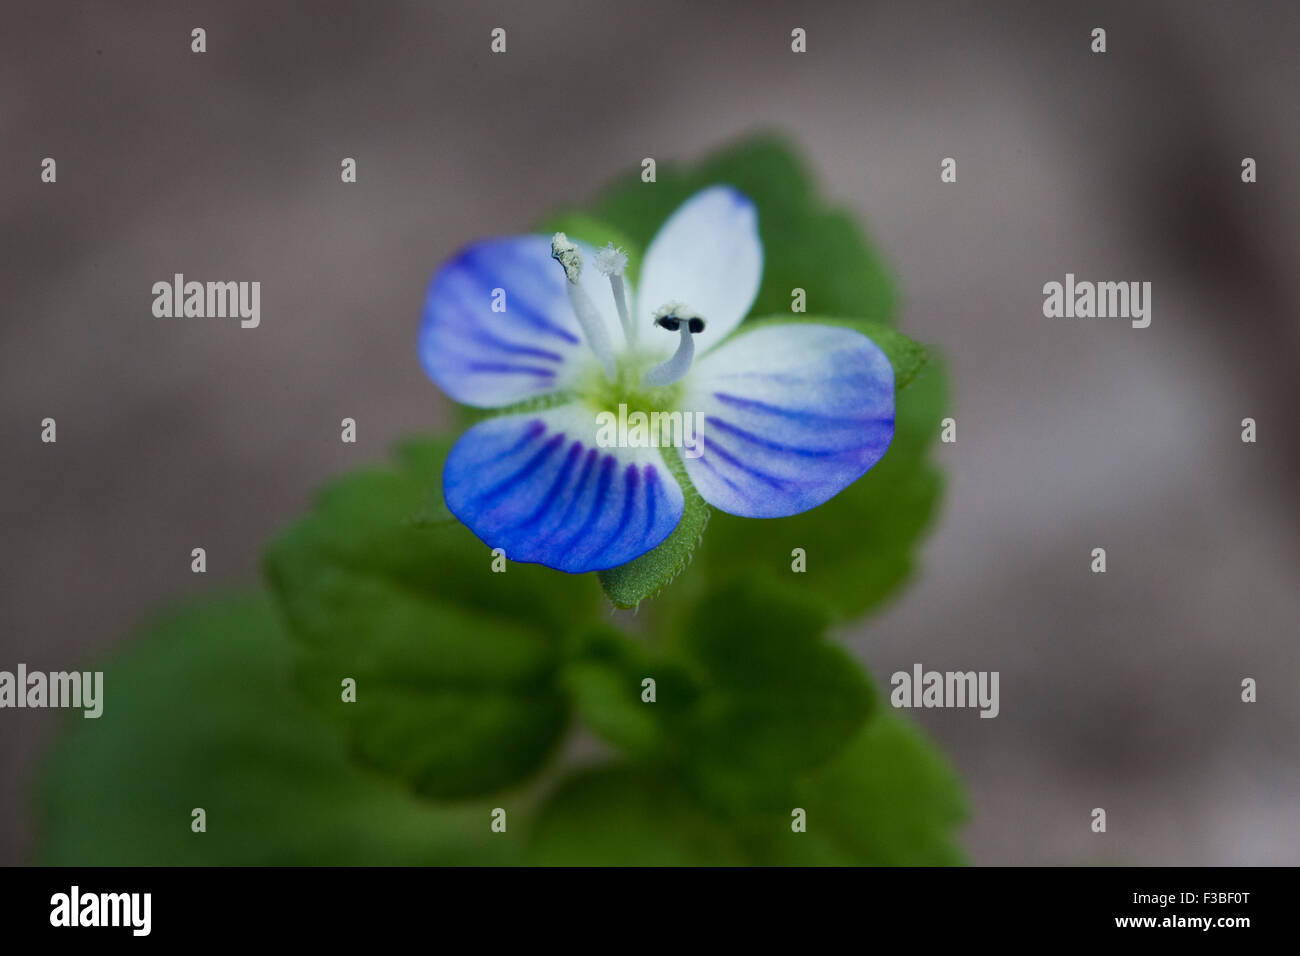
x=707, y=256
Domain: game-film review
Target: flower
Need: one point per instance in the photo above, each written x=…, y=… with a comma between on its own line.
x=550, y=331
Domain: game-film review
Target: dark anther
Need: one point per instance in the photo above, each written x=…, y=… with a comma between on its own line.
x=669, y=322
x=696, y=325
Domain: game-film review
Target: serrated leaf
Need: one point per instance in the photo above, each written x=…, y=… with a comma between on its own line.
x=455, y=664
x=200, y=712
x=748, y=694
x=618, y=816
x=606, y=674
x=888, y=800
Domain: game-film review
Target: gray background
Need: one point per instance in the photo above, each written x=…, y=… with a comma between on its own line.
x=1118, y=690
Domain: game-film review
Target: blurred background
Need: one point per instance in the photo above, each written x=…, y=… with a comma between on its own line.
x=1118, y=690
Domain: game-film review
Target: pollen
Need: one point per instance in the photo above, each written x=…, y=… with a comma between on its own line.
x=611, y=260
x=566, y=253
x=672, y=310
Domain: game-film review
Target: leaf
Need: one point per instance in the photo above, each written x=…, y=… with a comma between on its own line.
x=887, y=800
x=200, y=712
x=618, y=816
x=749, y=694
x=605, y=676
x=756, y=715
x=455, y=665
x=860, y=546
x=807, y=243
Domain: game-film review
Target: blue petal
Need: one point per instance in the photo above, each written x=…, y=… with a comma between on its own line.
x=491, y=359
x=791, y=416
x=538, y=486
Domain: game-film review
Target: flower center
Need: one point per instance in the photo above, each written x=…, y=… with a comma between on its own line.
x=611, y=262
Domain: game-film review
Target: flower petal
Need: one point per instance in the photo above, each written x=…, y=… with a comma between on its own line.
x=538, y=486
x=490, y=359
x=793, y=414
x=707, y=256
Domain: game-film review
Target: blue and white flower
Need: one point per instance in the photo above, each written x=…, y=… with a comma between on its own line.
x=793, y=413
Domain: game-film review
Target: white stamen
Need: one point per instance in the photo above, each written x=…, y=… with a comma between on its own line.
x=620, y=300
x=611, y=262
x=672, y=369
x=593, y=325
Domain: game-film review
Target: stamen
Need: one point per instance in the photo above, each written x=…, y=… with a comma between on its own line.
x=593, y=326
x=675, y=317
x=610, y=262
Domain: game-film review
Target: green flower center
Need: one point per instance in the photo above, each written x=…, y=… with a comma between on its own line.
x=601, y=394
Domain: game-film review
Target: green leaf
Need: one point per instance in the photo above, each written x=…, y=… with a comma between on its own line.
x=781, y=699
x=200, y=712
x=618, y=816
x=887, y=800
x=605, y=677
x=807, y=243
x=455, y=665
x=860, y=546
x=749, y=694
